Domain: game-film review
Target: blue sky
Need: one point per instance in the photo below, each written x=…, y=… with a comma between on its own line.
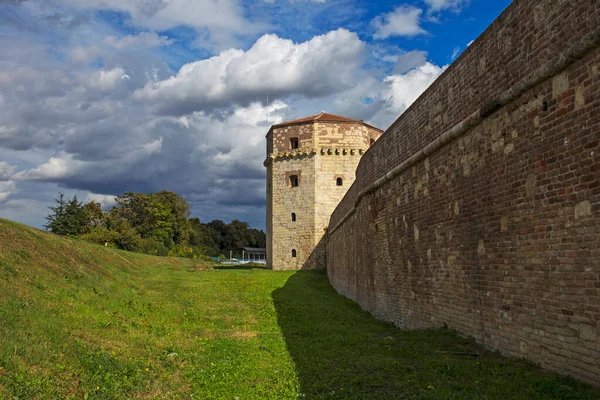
x=97, y=98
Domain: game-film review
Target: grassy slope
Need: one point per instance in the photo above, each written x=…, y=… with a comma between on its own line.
x=83, y=321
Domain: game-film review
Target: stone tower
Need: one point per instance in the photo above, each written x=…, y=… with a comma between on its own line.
x=311, y=163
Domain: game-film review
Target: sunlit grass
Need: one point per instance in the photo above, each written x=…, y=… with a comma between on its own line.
x=82, y=321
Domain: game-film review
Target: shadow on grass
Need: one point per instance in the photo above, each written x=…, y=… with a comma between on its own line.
x=240, y=266
x=340, y=351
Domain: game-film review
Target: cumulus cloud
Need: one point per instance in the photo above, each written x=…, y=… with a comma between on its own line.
x=439, y=5
x=222, y=19
x=407, y=61
x=381, y=102
x=144, y=39
x=321, y=66
x=153, y=147
x=403, y=21
x=111, y=44
x=404, y=89
x=7, y=188
x=85, y=54
x=56, y=168
x=106, y=201
x=105, y=80
x=113, y=117
x=6, y=170
x=206, y=158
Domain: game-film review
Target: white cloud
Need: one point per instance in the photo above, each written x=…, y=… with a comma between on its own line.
x=85, y=54
x=56, y=168
x=404, y=89
x=321, y=66
x=455, y=53
x=381, y=102
x=439, y=5
x=296, y=1
x=144, y=39
x=153, y=147
x=407, y=61
x=224, y=19
x=106, y=201
x=111, y=45
x=6, y=170
x=104, y=80
x=129, y=126
x=7, y=188
x=403, y=21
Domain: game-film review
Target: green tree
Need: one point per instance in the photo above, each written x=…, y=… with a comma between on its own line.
x=161, y=216
x=56, y=219
x=127, y=238
x=76, y=222
x=179, y=212
x=220, y=234
x=94, y=215
x=201, y=237
x=68, y=217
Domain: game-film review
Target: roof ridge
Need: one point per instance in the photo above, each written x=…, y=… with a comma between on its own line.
x=324, y=117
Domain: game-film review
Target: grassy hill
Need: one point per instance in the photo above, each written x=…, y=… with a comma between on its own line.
x=85, y=321
x=80, y=321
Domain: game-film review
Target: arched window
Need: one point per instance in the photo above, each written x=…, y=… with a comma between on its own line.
x=372, y=141
x=294, y=143
x=293, y=217
x=293, y=180
x=339, y=182
x=294, y=253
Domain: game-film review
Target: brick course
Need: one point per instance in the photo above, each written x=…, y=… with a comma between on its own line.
x=496, y=234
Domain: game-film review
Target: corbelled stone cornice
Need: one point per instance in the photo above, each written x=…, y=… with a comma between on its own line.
x=324, y=151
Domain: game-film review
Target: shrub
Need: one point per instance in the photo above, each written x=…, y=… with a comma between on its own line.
x=101, y=235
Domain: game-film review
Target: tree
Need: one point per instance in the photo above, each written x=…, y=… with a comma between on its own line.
x=201, y=236
x=153, y=223
x=235, y=234
x=220, y=234
x=68, y=217
x=179, y=212
x=56, y=219
x=94, y=215
x=161, y=216
x=75, y=215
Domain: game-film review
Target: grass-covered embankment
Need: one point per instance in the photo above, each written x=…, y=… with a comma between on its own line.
x=84, y=321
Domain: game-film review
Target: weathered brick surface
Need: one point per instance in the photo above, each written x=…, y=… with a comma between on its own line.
x=496, y=234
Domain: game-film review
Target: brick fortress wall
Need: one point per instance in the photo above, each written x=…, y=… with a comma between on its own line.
x=479, y=207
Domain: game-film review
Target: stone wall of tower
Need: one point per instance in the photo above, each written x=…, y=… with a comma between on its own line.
x=284, y=234
x=326, y=151
x=346, y=143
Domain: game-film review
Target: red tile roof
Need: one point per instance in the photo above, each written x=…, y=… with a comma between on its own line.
x=322, y=117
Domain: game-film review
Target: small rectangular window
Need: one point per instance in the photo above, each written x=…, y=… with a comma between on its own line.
x=294, y=143
x=293, y=180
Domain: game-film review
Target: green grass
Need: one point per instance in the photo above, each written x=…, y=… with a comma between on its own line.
x=82, y=321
